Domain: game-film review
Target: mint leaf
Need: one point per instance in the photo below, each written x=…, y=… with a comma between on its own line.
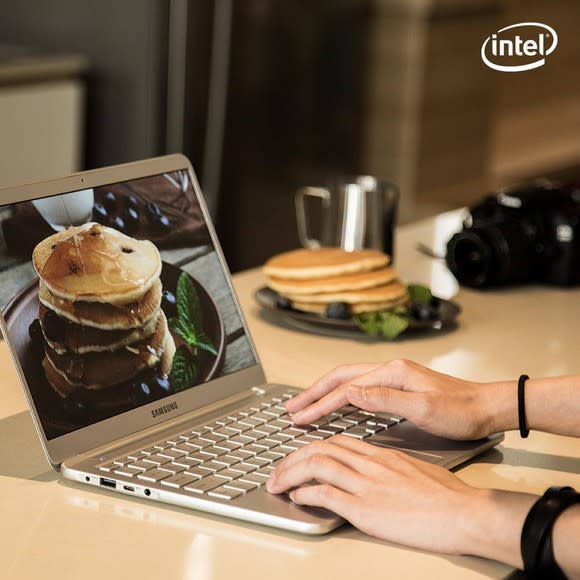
x=388, y=323
x=180, y=327
x=419, y=293
x=188, y=306
x=184, y=370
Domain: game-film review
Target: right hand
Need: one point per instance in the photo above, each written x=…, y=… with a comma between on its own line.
x=440, y=404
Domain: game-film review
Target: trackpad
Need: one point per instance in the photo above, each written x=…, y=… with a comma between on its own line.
x=409, y=438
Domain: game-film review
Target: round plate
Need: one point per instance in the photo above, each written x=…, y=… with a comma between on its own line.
x=56, y=418
x=268, y=299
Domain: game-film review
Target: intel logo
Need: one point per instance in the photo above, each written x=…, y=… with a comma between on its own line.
x=523, y=48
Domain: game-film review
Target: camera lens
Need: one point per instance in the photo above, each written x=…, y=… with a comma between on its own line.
x=494, y=255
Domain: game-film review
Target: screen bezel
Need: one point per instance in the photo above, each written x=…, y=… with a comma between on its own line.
x=82, y=440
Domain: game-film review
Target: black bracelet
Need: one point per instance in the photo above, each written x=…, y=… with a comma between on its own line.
x=524, y=431
x=538, y=557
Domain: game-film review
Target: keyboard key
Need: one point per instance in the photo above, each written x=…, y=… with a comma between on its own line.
x=172, y=453
x=244, y=486
x=241, y=439
x=120, y=461
x=198, y=456
x=198, y=443
x=213, y=465
x=230, y=474
x=252, y=478
x=244, y=467
x=228, y=445
x=341, y=423
x=227, y=460
x=206, y=484
x=267, y=443
x=319, y=435
x=355, y=418
x=331, y=429
x=257, y=461
x=239, y=427
x=264, y=417
x=179, y=480
x=292, y=432
x=372, y=429
x=198, y=472
x=224, y=492
x=153, y=475
x=224, y=431
x=209, y=436
x=183, y=447
x=346, y=410
x=282, y=423
x=213, y=451
x=254, y=435
x=254, y=449
x=161, y=445
x=241, y=454
x=174, y=467
x=224, y=421
x=357, y=433
x=157, y=459
x=280, y=437
x=284, y=449
x=136, y=455
x=267, y=429
x=140, y=465
x=252, y=421
x=264, y=472
x=109, y=466
x=126, y=472
x=269, y=456
x=298, y=442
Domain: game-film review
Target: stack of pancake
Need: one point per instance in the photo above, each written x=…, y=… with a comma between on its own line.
x=313, y=279
x=100, y=297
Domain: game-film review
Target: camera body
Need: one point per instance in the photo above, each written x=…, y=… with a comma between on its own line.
x=528, y=234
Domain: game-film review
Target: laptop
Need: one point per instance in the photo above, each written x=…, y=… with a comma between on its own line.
x=139, y=370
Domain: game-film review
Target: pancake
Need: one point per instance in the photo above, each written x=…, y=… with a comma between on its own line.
x=306, y=264
x=82, y=339
x=64, y=388
x=334, y=284
x=319, y=308
x=94, y=263
x=96, y=370
x=388, y=292
x=105, y=316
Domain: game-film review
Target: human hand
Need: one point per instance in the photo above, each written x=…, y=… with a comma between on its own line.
x=440, y=404
x=383, y=492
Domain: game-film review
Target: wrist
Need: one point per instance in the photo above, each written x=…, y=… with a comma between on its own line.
x=499, y=404
x=492, y=525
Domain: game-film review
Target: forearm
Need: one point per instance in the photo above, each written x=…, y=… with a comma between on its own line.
x=552, y=405
x=566, y=536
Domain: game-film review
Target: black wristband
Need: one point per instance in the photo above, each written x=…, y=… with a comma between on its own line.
x=537, y=557
x=524, y=431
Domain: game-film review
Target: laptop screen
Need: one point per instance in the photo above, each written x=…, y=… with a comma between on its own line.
x=115, y=297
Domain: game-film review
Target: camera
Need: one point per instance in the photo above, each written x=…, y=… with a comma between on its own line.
x=522, y=235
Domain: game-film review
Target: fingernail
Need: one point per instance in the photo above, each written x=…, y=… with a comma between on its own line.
x=291, y=495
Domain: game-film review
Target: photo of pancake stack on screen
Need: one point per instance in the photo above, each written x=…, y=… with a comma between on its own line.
x=335, y=283
x=100, y=296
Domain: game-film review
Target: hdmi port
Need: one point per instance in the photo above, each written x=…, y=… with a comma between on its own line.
x=108, y=483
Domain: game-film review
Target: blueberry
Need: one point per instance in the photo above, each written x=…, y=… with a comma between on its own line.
x=118, y=223
x=283, y=303
x=141, y=393
x=35, y=332
x=132, y=201
x=162, y=222
x=54, y=327
x=131, y=218
x=435, y=302
x=75, y=403
x=338, y=310
x=99, y=212
x=422, y=312
x=153, y=211
x=110, y=200
x=162, y=385
x=169, y=298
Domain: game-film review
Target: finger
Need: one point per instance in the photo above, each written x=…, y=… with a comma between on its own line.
x=337, y=398
x=320, y=467
x=327, y=383
x=349, y=456
x=384, y=400
x=326, y=496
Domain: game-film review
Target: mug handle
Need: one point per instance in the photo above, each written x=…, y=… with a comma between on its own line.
x=300, y=202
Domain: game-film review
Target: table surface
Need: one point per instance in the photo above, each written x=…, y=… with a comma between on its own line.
x=55, y=528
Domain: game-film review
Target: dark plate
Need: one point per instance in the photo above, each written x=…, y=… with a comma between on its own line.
x=268, y=299
x=57, y=418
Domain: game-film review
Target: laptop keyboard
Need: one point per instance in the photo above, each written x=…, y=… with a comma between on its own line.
x=237, y=453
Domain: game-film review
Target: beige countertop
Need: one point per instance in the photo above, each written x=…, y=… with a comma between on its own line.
x=52, y=528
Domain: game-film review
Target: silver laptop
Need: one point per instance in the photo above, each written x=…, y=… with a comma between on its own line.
x=133, y=353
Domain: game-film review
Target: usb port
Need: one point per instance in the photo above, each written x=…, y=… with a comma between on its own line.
x=108, y=483
x=128, y=488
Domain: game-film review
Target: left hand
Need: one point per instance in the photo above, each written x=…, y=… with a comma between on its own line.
x=383, y=492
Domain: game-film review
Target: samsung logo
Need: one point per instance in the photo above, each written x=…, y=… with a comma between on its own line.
x=532, y=42
x=164, y=409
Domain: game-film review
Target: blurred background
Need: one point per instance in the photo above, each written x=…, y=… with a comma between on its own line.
x=265, y=96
